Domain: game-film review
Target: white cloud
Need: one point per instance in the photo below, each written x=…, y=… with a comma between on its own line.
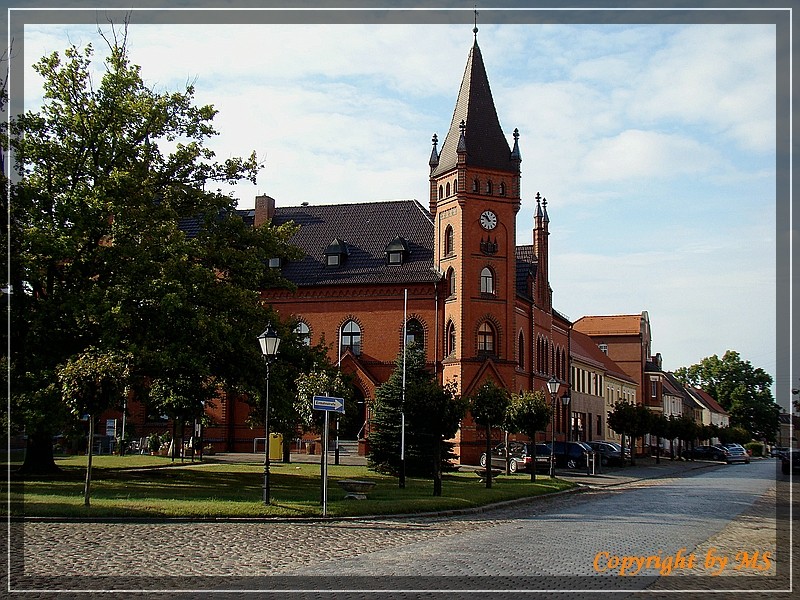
x=635, y=154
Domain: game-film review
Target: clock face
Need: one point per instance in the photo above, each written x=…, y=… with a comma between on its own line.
x=488, y=220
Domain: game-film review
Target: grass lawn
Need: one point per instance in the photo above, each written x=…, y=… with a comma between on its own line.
x=152, y=486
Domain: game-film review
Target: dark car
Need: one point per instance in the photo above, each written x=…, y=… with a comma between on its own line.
x=706, y=453
x=571, y=454
x=790, y=460
x=520, y=457
x=778, y=451
x=610, y=452
x=736, y=453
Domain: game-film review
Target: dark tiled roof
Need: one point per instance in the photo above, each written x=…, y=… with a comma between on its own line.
x=485, y=143
x=526, y=265
x=367, y=229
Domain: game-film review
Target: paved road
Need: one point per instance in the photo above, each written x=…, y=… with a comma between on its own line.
x=555, y=543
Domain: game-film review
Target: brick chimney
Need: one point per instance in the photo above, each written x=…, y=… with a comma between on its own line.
x=265, y=210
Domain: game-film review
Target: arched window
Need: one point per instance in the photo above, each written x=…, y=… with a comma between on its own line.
x=304, y=333
x=441, y=192
x=447, y=189
x=502, y=188
x=488, y=187
x=451, y=282
x=455, y=185
x=415, y=334
x=351, y=337
x=450, y=339
x=449, y=241
x=486, y=338
x=475, y=185
x=487, y=281
x=521, y=351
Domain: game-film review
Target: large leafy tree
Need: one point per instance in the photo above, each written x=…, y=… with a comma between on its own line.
x=488, y=406
x=741, y=389
x=119, y=241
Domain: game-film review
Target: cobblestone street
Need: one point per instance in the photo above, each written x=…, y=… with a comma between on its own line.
x=729, y=508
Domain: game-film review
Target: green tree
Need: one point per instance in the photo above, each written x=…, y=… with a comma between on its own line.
x=734, y=435
x=91, y=382
x=623, y=420
x=435, y=412
x=659, y=427
x=432, y=414
x=488, y=406
x=118, y=240
x=741, y=389
x=528, y=413
x=686, y=430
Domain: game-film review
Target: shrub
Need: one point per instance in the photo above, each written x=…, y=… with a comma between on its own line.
x=755, y=448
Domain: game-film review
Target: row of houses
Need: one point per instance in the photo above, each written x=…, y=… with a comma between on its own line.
x=450, y=276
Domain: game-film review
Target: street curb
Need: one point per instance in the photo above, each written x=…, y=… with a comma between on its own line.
x=427, y=515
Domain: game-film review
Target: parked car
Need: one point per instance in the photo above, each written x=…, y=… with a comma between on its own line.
x=736, y=453
x=610, y=452
x=520, y=455
x=778, y=451
x=790, y=460
x=571, y=454
x=706, y=453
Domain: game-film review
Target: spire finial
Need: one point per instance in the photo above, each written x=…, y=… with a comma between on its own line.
x=475, y=30
x=434, y=160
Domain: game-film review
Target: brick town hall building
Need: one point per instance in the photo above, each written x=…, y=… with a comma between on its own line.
x=480, y=305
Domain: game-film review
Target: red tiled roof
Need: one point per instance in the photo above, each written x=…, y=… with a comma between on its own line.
x=707, y=399
x=610, y=325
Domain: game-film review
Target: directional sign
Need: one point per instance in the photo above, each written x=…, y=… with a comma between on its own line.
x=326, y=403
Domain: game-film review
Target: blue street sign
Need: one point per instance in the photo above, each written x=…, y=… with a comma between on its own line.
x=326, y=403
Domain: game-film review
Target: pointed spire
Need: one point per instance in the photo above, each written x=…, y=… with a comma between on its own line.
x=462, y=141
x=538, y=206
x=475, y=29
x=488, y=146
x=544, y=206
x=515, y=155
x=434, y=161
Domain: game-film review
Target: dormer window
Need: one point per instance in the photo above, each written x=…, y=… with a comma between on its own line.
x=336, y=253
x=397, y=251
x=274, y=263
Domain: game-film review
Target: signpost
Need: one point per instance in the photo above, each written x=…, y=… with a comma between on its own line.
x=328, y=405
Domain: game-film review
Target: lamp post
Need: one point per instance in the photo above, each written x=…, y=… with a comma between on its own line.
x=269, y=342
x=552, y=386
x=565, y=399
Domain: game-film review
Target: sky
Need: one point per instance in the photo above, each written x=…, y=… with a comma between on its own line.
x=653, y=144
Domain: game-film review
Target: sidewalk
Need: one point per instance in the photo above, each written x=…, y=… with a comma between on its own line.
x=645, y=468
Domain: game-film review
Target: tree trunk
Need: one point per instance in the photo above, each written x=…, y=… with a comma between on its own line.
x=533, y=463
x=488, y=456
x=622, y=439
x=633, y=451
x=39, y=455
x=287, y=449
x=437, y=468
x=89, y=452
x=658, y=450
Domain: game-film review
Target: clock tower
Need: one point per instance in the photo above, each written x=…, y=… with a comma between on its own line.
x=474, y=200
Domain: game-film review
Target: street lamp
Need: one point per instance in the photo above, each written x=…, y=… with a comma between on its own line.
x=552, y=386
x=269, y=342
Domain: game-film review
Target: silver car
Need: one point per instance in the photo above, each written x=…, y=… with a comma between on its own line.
x=736, y=453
